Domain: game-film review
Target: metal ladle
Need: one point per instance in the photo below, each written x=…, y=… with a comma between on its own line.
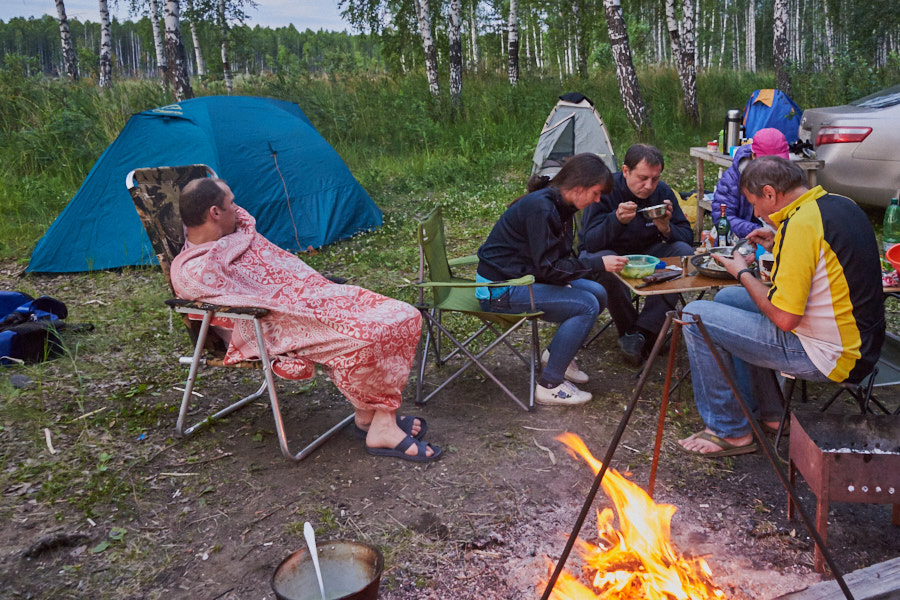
x=310, y=537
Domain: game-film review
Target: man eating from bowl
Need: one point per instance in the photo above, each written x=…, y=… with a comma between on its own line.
x=822, y=318
x=620, y=224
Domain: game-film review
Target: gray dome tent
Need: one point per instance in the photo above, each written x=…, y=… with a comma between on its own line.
x=574, y=126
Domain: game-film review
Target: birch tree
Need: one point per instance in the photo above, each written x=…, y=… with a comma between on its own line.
x=580, y=38
x=513, y=30
x=70, y=59
x=157, y=40
x=473, y=31
x=175, y=58
x=198, y=51
x=780, y=47
x=682, y=38
x=621, y=51
x=223, y=31
x=105, y=46
x=423, y=16
x=455, y=57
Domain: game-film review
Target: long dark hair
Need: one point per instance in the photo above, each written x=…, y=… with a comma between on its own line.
x=582, y=170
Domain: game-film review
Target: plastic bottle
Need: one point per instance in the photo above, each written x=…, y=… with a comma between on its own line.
x=891, y=230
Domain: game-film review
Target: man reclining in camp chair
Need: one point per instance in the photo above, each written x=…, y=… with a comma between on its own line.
x=364, y=340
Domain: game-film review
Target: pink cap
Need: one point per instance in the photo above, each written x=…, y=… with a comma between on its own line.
x=770, y=142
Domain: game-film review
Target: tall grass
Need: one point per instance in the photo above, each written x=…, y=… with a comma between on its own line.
x=402, y=146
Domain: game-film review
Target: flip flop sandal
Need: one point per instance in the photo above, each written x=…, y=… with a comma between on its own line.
x=726, y=448
x=399, y=451
x=405, y=423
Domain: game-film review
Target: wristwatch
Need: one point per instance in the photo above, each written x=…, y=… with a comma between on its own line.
x=741, y=272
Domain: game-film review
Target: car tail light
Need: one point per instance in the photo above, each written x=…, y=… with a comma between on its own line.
x=840, y=135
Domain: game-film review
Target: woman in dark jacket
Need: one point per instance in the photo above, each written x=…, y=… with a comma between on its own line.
x=534, y=237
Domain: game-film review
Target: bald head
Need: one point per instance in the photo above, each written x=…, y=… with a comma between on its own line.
x=197, y=197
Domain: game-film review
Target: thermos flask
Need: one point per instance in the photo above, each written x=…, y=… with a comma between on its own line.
x=732, y=130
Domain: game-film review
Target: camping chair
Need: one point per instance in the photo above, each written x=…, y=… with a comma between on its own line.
x=155, y=195
x=452, y=294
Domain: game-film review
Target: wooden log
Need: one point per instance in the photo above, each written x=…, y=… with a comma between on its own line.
x=877, y=582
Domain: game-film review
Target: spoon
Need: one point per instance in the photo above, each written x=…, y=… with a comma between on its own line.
x=310, y=537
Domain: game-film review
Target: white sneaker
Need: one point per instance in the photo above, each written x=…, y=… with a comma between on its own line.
x=565, y=394
x=573, y=373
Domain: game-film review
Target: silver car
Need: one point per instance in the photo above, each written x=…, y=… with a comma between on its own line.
x=860, y=144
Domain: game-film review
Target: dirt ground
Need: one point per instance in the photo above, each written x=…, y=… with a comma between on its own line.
x=212, y=516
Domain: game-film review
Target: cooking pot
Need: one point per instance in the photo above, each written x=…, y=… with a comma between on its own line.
x=350, y=570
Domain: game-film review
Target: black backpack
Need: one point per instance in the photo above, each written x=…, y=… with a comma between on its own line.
x=30, y=331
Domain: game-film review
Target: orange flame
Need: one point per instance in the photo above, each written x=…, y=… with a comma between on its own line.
x=636, y=561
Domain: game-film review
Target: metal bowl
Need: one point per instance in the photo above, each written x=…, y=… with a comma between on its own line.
x=351, y=571
x=701, y=262
x=654, y=212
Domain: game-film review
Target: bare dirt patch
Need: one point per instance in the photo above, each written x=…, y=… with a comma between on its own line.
x=211, y=516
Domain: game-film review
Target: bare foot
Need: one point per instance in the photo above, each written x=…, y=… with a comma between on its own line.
x=384, y=433
x=364, y=424
x=702, y=446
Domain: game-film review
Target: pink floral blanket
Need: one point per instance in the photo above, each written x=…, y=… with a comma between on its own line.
x=365, y=340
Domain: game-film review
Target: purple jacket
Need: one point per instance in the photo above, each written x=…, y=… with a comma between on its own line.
x=737, y=209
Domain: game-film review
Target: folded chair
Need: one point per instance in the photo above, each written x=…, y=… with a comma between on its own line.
x=450, y=294
x=155, y=194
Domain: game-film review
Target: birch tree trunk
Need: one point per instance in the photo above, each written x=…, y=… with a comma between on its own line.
x=175, y=58
x=724, y=35
x=423, y=16
x=580, y=39
x=829, y=35
x=455, y=58
x=512, y=25
x=780, y=47
x=70, y=59
x=157, y=40
x=689, y=79
x=621, y=51
x=198, y=52
x=473, y=29
x=105, y=46
x=674, y=35
x=223, y=31
x=751, y=37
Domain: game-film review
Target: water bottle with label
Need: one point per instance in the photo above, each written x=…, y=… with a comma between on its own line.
x=891, y=229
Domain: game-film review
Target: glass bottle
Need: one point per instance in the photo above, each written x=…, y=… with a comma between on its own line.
x=891, y=230
x=723, y=229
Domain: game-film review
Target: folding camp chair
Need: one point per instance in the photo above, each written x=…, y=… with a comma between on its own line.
x=452, y=294
x=155, y=194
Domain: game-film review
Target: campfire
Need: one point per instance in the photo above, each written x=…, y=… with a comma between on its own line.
x=637, y=560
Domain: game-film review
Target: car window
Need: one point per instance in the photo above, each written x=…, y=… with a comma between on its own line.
x=882, y=99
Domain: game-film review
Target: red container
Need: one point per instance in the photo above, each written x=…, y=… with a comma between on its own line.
x=893, y=257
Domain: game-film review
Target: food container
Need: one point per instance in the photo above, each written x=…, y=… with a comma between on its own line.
x=639, y=265
x=712, y=146
x=350, y=570
x=707, y=265
x=654, y=212
x=893, y=256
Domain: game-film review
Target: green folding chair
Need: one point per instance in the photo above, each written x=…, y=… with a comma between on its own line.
x=451, y=294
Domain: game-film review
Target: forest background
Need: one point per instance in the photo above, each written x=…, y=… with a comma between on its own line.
x=373, y=96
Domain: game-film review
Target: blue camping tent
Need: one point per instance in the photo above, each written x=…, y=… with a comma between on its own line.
x=279, y=167
x=772, y=108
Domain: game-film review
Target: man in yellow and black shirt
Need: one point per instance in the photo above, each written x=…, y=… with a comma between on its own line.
x=822, y=318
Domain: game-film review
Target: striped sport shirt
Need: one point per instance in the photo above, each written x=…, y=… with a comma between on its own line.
x=827, y=270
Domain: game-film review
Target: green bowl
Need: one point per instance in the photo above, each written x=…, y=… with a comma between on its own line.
x=639, y=265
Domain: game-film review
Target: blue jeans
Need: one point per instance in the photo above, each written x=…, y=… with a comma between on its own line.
x=753, y=348
x=575, y=307
x=653, y=315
